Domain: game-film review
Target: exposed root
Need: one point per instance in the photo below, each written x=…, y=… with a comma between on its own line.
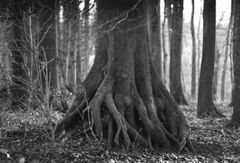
x=119, y=119
x=95, y=104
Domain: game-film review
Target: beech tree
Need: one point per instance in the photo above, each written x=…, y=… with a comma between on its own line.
x=193, y=84
x=205, y=105
x=154, y=32
x=123, y=97
x=235, y=121
x=175, y=24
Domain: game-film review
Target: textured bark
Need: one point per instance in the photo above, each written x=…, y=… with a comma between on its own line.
x=128, y=103
x=18, y=46
x=235, y=121
x=193, y=84
x=154, y=35
x=175, y=24
x=205, y=105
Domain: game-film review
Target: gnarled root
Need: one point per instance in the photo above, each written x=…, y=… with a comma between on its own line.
x=127, y=119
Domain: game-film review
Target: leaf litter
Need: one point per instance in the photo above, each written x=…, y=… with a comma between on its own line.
x=25, y=138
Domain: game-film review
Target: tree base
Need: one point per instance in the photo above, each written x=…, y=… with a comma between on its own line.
x=127, y=120
x=124, y=100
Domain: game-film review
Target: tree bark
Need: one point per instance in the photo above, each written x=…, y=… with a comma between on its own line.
x=175, y=24
x=193, y=84
x=205, y=105
x=127, y=100
x=154, y=35
x=235, y=120
x=231, y=55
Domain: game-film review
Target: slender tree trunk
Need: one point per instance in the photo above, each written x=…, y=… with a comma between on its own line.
x=235, y=121
x=199, y=48
x=73, y=26
x=79, y=56
x=124, y=91
x=193, y=85
x=216, y=69
x=165, y=55
x=175, y=74
x=225, y=59
x=232, y=76
x=20, y=78
x=205, y=105
x=85, y=64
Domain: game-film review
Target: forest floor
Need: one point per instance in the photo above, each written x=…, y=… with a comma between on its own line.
x=25, y=137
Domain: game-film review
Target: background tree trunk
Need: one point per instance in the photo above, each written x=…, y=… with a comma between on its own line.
x=175, y=24
x=85, y=39
x=199, y=48
x=165, y=55
x=71, y=18
x=216, y=69
x=193, y=84
x=226, y=53
x=205, y=105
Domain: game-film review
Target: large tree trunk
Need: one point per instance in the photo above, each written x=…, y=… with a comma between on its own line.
x=154, y=33
x=175, y=24
x=18, y=46
x=235, y=121
x=193, y=84
x=205, y=100
x=127, y=101
x=231, y=55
